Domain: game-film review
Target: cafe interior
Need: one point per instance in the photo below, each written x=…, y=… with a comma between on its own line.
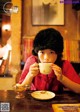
x=20, y=20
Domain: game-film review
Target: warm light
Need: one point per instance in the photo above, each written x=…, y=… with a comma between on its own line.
x=6, y=27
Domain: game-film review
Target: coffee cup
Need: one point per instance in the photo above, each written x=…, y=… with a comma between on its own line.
x=45, y=68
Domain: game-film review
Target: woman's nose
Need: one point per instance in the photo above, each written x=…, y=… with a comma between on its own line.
x=46, y=57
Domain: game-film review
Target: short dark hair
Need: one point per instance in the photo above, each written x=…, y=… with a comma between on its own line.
x=48, y=39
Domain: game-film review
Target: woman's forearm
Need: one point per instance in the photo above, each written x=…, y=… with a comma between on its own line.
x=28, y=80
x=70, y=84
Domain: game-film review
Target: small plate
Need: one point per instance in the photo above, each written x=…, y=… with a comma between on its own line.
x=43, y=95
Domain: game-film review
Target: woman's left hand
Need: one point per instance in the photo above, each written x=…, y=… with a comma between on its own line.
x=58, y=71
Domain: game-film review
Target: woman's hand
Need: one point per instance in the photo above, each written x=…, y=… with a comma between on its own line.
x=34, y=69
x=58, y=71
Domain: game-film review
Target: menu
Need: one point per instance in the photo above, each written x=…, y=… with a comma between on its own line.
x=66, y=107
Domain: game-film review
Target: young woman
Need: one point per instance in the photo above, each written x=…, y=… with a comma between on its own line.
x=48, y=47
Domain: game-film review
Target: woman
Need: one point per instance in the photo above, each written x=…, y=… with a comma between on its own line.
x=48, y=47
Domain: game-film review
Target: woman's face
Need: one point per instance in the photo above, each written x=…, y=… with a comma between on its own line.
x=47, y=55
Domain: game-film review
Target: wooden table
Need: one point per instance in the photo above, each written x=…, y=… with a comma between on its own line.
x=29, y=104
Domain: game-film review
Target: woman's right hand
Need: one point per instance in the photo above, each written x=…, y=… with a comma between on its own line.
x=34, y=69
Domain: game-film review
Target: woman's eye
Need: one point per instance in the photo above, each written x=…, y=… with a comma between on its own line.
x=41, y=52
x=52, y=52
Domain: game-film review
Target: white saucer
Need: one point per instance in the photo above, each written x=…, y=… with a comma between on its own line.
x=43, y=95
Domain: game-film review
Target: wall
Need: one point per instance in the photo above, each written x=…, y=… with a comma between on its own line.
x=68, y=30
x=5, y=33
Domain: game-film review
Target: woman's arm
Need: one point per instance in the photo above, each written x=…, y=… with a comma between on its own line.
x=33, y=71
x=65, y=80
x=70, y=84
x=30, y=61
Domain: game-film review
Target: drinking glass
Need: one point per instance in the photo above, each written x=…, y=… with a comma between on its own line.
x=20, y=90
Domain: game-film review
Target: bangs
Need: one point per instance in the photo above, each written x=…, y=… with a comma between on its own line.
x=52, y=47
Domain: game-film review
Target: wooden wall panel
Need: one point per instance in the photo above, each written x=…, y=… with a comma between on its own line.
x=68, y=30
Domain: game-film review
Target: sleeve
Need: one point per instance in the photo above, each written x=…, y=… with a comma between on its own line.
x=3, y=52
x=70, y=72
x=5, y=55
x=25, y=71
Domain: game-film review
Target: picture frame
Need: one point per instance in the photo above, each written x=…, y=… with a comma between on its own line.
x=47, y=12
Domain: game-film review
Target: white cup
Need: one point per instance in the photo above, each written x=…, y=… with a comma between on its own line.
x=45, y=68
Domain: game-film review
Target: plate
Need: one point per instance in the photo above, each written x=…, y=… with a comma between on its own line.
x=43, y=95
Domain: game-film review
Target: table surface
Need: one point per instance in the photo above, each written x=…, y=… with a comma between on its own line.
x=29, y=104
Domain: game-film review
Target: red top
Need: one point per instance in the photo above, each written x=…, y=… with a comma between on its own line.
x=49, y=82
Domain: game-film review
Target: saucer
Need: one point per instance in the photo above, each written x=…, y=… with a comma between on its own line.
x=43, y=95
